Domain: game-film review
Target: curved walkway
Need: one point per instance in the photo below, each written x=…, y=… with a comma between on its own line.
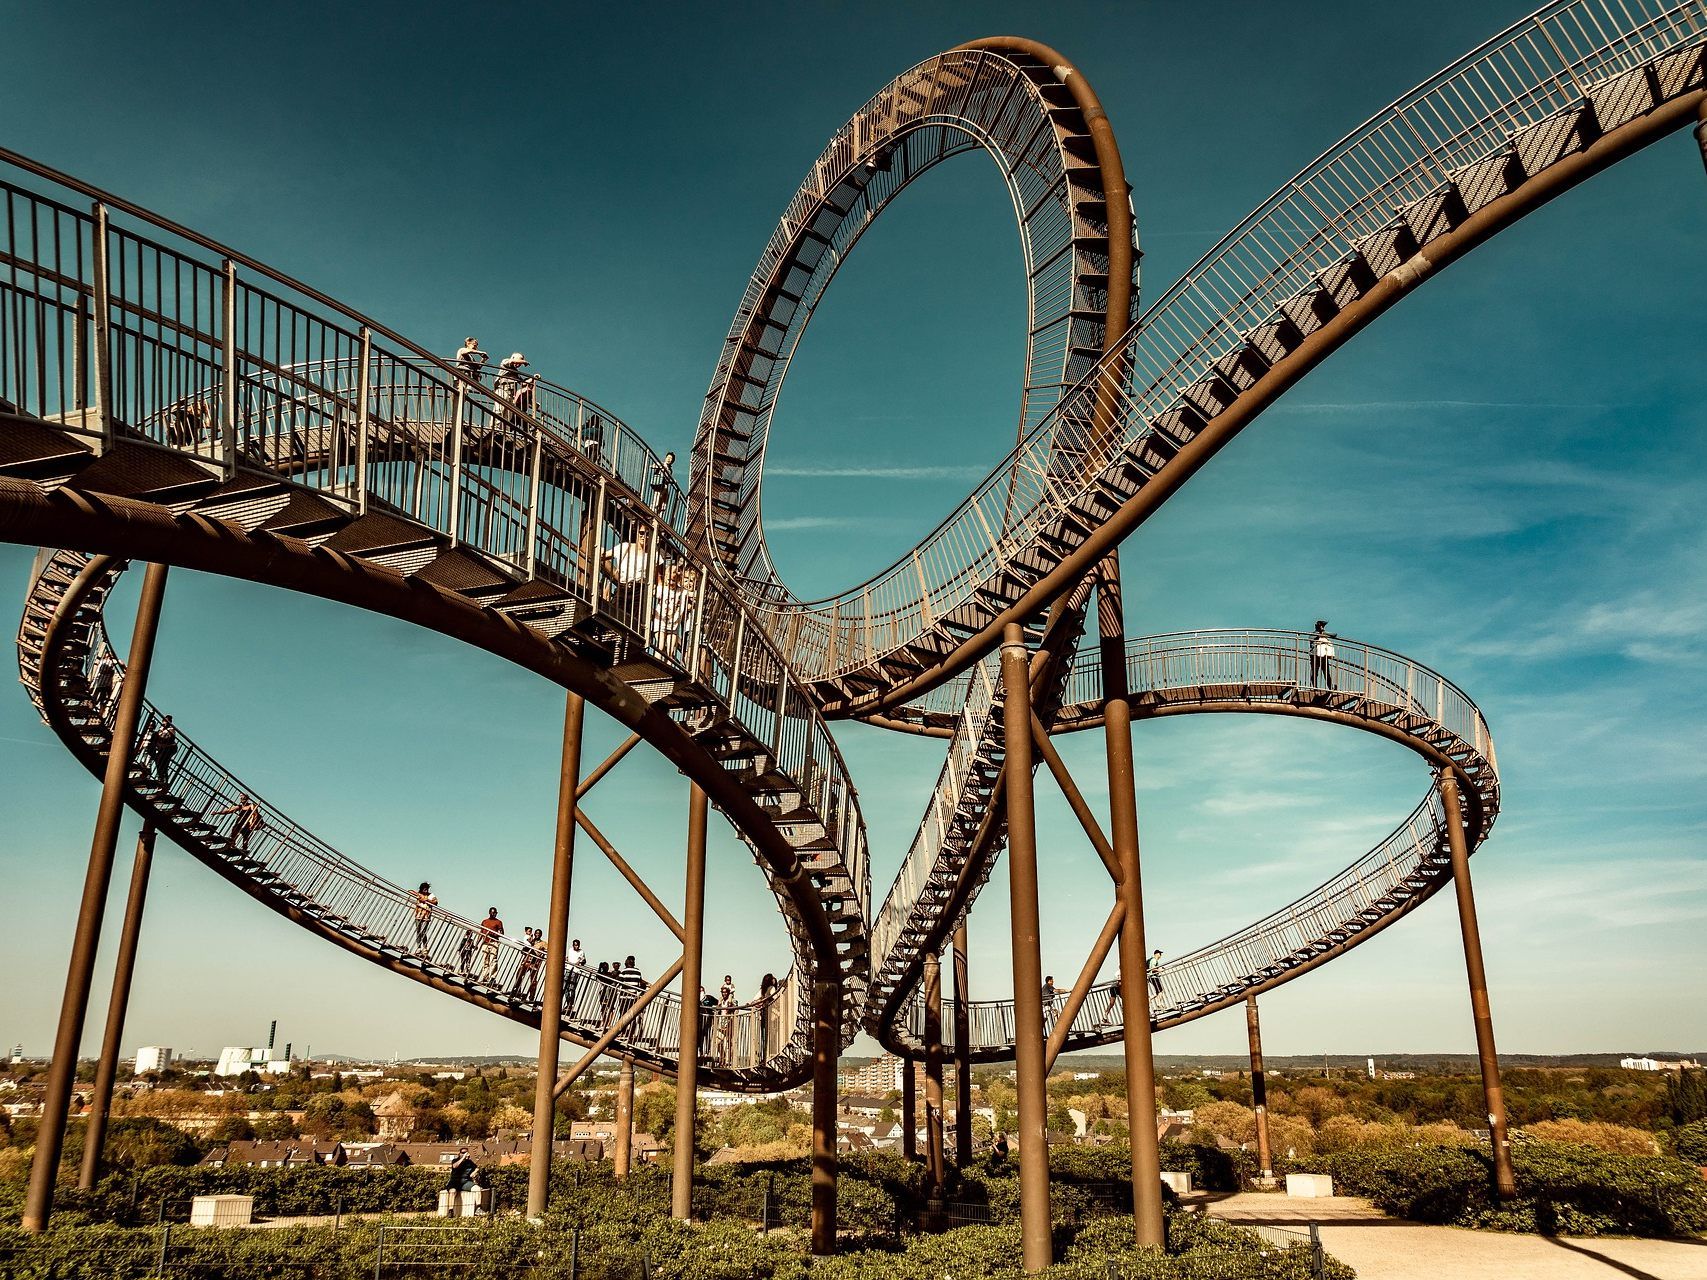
x=1248, y=673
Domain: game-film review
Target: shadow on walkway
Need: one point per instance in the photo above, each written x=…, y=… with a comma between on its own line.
x=1636, y=1273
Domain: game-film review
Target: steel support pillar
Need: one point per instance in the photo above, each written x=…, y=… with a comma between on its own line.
x=909, y=1108
x=62, y=1071
x=1147, y=1220
x=962, y=1050
x=687, y=1066
x=95, y=1136
x=826, y=1050
x=1030, y=1074
x=1259, y=1091
x=933, y=1073
x=1505, y=1184
x=623, y=1156
x=556, y=948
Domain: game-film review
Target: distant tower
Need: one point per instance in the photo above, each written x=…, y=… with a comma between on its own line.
x=1372, y=1068
x=272, y=1033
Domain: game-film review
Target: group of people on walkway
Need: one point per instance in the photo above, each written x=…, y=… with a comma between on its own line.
x=1054, y=999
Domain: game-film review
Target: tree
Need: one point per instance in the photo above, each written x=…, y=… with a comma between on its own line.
x=233, y=1129
x=1686, y=1096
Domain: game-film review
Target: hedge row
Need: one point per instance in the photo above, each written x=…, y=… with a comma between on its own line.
x=512, y=1250
x=1563, y=1190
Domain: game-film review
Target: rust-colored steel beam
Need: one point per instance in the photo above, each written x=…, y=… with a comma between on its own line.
x=933, y=1074
x=909, y=1108
x=962, y=1048
x=616, y=1028
x=556, y=949
x=1441, y=252
x=124, y=527
x=1075, y=800
x=1149, y=1227
x=1700, y=129
x=826, y=1048
x=62, y=1071
x=1505, y=1182
x=687, y=1066
x=1259, y=1090
x=95, y=1134
x=629, y=874
x=1075, y=1000
x=606, y=765
x=622, y=1157
x=1030, y=1074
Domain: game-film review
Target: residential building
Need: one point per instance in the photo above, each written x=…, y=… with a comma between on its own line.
x=153, y=1057
x=880, y=1076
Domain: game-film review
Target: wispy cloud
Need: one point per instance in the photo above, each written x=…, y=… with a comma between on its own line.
x=827, y=522
x=1424, y=406
x=856, y=471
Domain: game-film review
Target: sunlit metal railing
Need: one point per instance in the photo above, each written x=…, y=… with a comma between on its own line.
x=1552, y=63
x=297, y=869
x=1251, y=668
x=125, y=329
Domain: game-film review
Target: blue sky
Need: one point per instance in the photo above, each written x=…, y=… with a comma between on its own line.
x=1501, y=478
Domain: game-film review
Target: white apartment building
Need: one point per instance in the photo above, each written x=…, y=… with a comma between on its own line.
x=876, y=1077
x=153, y=1057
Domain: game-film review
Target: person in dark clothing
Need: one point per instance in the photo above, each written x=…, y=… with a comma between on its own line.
x=463, y=1175
x=632, y=984
x=707, y=1011
x=248, y=821
x=1322, y=656
x=161, y=746
x=526, y=986
x=465, y=953
x=1154, y=969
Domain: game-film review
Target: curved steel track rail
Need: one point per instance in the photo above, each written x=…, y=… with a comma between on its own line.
x=179, y=402
x=1266, y=673
x=60, y=642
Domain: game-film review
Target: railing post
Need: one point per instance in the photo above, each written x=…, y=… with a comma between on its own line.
x=228, y=367
x=556, y=949
x=103, y=327
x=1027, y=957
x=687, y=1052
x=62, y=1070
x=364, y=390
x=1700, y=130
x=95, y=1133
x=909, y=1109
x=532, y=555
x=596, y=552
x=460, y=408
x=1458, y=846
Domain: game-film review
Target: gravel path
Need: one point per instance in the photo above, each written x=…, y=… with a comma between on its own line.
x=1382, y=1248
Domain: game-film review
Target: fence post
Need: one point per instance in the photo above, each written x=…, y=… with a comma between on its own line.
x=165, y=1240
x=228, y=367
x=379, y=1255
x=103, y=321
x=1318, y=1265
x=575, y=1254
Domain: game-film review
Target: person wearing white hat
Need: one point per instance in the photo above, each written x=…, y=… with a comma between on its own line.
x=514, y=385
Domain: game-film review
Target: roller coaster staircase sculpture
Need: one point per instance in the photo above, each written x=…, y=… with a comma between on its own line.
x=164, y=398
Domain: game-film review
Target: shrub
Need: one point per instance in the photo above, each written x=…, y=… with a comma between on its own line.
x=1561, y=1189
x=1617, y=1138
x=1690, y=1142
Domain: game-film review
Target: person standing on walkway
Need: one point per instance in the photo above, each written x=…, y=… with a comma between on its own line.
x=161, y=745
x=526, y=985
x=248, y=820
x=661, y=480
x=608, y=985
x=515, y=386
x=465, y=953
x=1322, y=656
x=632, y=984
x=424, y=904
x=104, y=682
x=470, y=359
x=491, y=929
x=1154, y=971
x=574, y=966
x=1051, y=999
x=625, y=565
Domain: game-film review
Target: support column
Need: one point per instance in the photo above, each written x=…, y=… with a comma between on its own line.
x=95, y=1136
x=1259, y=1091
x=687, y=1065
x=826, y=1050
x=962, y=1050
x=1029, y=1073
x=556, y=948
x=1505, y=1183
x=933, y=1073
x=62, y=1072
x=1147, y=1220
x=909, y=1108
x=623, y=1157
